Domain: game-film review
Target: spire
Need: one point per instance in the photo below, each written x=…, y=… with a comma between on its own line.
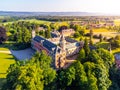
x=62, y=42
x=33, y=33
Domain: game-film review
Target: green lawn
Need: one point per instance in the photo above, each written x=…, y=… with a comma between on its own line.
x=5, y=61
x=4, y=49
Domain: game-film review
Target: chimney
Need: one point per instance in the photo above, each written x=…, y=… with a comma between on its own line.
x=42, y=42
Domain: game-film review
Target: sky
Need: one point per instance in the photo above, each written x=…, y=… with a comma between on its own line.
x=99, y=6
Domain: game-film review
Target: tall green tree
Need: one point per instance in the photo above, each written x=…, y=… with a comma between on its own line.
x=65, y=77
x=80, y=76
x=101, y=37
x=48, y=32
x=107, y=57
x=101, y=73
x=81, y=55
x=28, y=76
x=35, y=74
x=45, y=64
x=86, y=47
x=3, y=36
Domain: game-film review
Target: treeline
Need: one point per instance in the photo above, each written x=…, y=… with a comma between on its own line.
x=86, y=19
x=20, y=32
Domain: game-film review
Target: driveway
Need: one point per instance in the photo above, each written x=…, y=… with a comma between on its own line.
x=23, y=54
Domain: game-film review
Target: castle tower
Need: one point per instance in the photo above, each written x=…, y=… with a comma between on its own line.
x=62, y=42
x=33, y=33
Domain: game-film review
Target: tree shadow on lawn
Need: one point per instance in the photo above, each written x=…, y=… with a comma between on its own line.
x=2, y=82
x=10, y=58
x=6, y=45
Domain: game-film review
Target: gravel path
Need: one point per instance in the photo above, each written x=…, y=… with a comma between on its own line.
x=23, y=54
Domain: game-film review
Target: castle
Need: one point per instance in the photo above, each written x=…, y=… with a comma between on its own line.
x=58, y=47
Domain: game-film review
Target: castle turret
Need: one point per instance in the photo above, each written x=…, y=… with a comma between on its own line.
x=33, y=33
x=62, y=42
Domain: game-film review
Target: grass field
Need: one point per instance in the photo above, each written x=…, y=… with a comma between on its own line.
x=104, y=32
x=117, y=22
x=5, y=61
x=4, y=49
x=98, y=30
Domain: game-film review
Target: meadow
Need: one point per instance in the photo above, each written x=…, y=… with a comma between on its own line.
x=104, y=32
x=117, y=22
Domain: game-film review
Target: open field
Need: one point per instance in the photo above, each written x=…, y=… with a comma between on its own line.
x=117, y=22
x=104, y=32
x=98, y=30
x=1, y=17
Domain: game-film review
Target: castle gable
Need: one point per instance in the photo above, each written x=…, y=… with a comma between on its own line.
x=45, y=43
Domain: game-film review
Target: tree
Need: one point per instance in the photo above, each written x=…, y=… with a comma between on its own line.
x=107, y=58
x=92, y=83
x=3, y=36
x=42, y=33
x=81, y=55
x=80, y=76
x=76, y=34
x=81, y=32
x=91, y=41
x=94, y=57
x=66, y=77
x=101, y=73
x=34, y=74
x=86, y=47
x=28, y=76
x=23, y=38
x=91, y=37
x=101, y=37
x=44, y=62
x=47, y=32
x=91, y=33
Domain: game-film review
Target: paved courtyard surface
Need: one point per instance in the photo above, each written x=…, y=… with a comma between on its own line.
x=23, y=54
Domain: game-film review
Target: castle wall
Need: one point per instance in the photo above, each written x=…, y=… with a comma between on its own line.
x=54, y=40
x=72, y=51
x=60, y=59
x=38, y=46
